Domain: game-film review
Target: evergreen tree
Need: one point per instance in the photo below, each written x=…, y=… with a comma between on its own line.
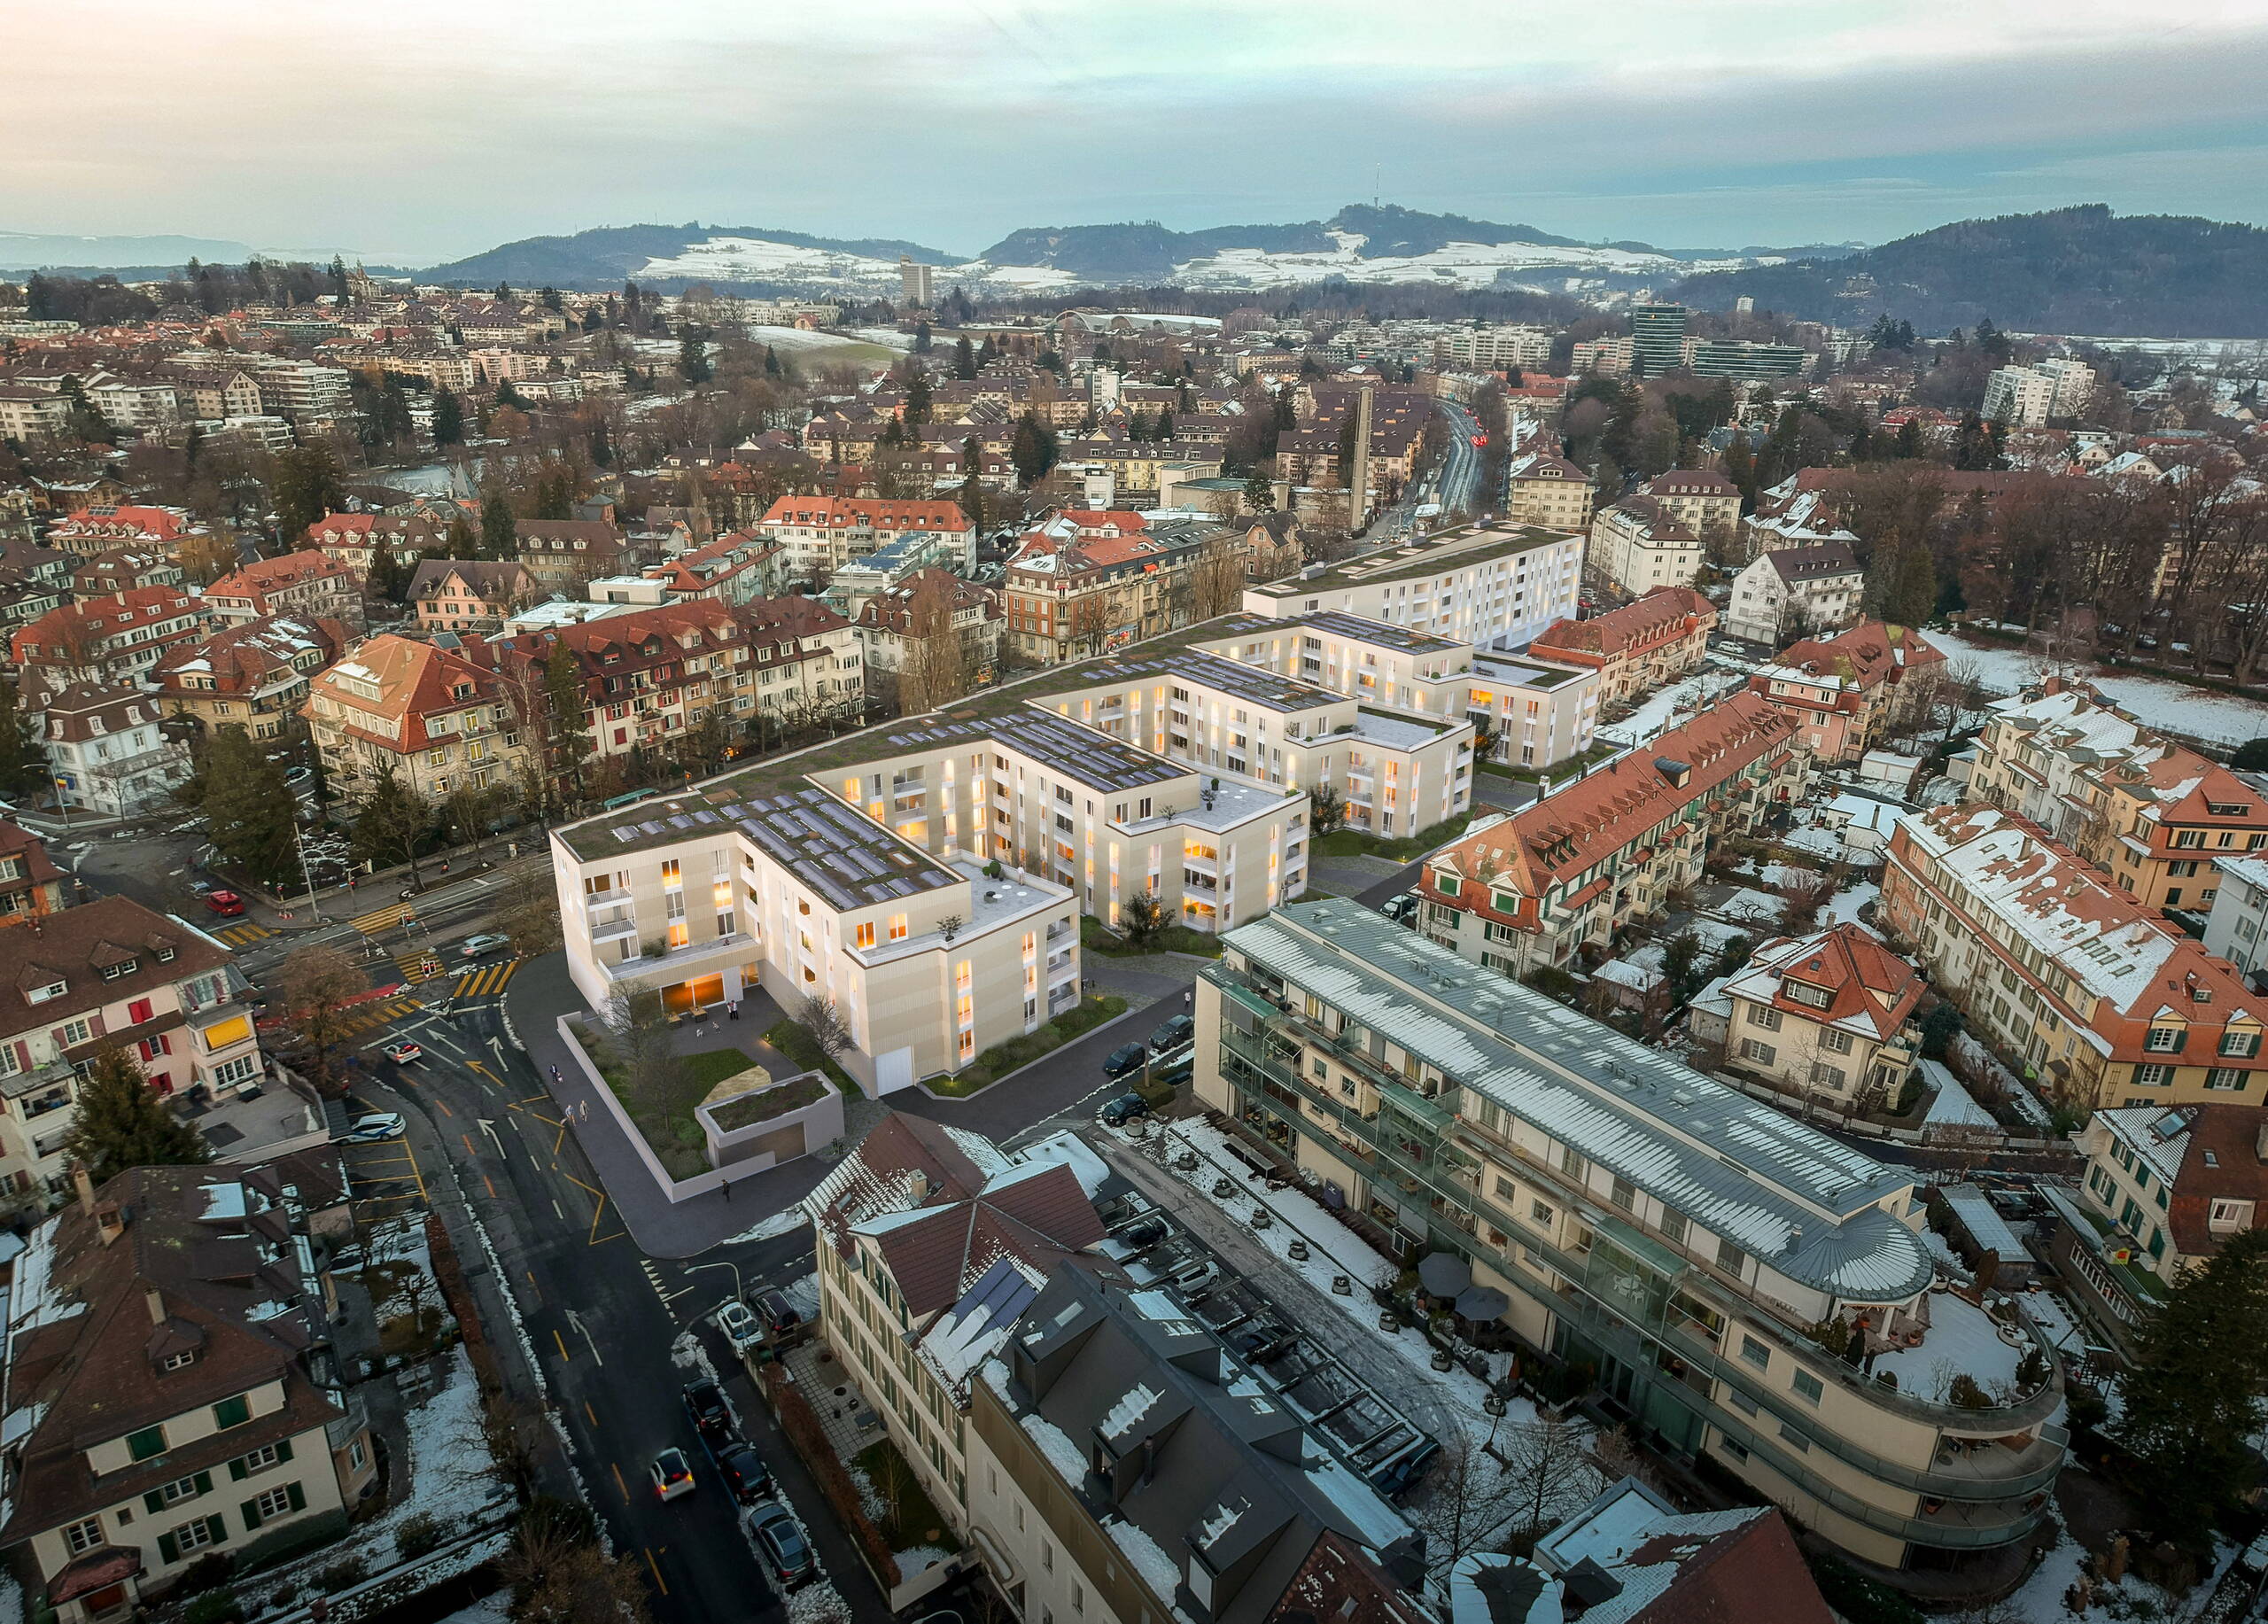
x=123, y=1122
x=500, y=533
x=551, y=300
x=601, y=445
x=972, y=489
x=248, y=808
x=1032, y=449
x=393, y=826
x=693, y=357
x=771, y=364
x=1914, y=597
x=1909, y=440
x=917, y=398
x=964, y=359
x=462, y=542
x=1260, y=493
x=1740, y=468
x=339, y=278
x=448, y=420
x=23, y=764
x=921, y=338
x=1163, y=429
x=304, y=485
x=563, y=693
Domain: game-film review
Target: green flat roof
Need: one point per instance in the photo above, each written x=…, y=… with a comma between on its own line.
x=1448, y=550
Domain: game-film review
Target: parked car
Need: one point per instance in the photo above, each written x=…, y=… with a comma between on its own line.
x=780, y=1315
x=780, y=1542
x=403, y=1053
x=671, y=1474
x=1123, y=1109
x=1173, y=1034
x=201, y=888
x=744, y=1473
x=296, y=776
x=227, y=904
x=710, y=1415
x=1125, y=1057
x=740, y=1326
x=488, y=942
x=370, y=1130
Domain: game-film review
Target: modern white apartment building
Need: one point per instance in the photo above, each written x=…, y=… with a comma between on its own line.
x=1495, y=346
x=1496, y=587
x=2027, y=397
x=1639, y=545
x=1682, y=1247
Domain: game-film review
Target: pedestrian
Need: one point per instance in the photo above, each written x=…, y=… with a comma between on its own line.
x=732, y=1009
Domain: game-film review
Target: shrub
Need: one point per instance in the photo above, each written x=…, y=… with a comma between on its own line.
x=416, y=1535
x=2088, y=1409
x=340, y=1574
x=207, y=1571
x=1965, y=1394
x=1855, y=1597
x=219, y=1606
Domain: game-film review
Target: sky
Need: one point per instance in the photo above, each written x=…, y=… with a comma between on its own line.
x=418, y=131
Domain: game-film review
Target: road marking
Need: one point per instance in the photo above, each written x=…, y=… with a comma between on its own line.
x=576, y=1320
x=562, y=1340
x=591, y=1413
x=559, y=1209
x=491, y=1188
x=488, y=1127
x=618, y=1483
x=656, y=1570
x=444, y=1109
x=468, y=1144
x=579, y=1185
x=593, y=1238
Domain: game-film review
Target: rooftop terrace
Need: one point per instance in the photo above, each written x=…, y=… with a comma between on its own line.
x=1450, y=549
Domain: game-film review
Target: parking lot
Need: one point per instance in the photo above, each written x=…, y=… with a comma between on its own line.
x=384, y=1178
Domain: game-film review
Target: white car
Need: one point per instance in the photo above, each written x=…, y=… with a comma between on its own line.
x=740, y=1326
x=482, y=946
x=372, y=1129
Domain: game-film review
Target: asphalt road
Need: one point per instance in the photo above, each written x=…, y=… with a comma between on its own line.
x=616, y=1333
x=1460, y=477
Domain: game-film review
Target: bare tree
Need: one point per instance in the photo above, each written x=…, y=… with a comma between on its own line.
x=1471, y=1501
x=1090, y=621
x=558, y=1575
x=934, y=670
x=1216, y=579
x=313, y=986
x=1549, y=1469
x=823, y=1024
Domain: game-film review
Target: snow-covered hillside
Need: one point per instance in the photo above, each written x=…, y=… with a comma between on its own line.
x=754, y=259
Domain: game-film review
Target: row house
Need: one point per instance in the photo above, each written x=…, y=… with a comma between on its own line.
x=822, y=533
x=31, y=886
x=2099, y=999
x=355, y=539
x=2157, y=815
x=1070, y=592
x=436, y=720
x=1545, y=489
x=110, y=973
x=1825, y=1016
x=110, y=642
x=930, y=1243
x=121, y=570
x=1495, y=586
x=1638, y=544
x=1846, y=692
x=180, y=1396
x=1796, y=592
x=106, y=751
x=1569, y=871
x=1637, y=1225
x=309, y=583
x=98, y=529
x=468, y=595
x=565, y=554
x=34, y=579
x=253, y=675
x=1637, y=649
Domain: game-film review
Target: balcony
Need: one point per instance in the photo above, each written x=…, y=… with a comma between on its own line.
x=679, y=962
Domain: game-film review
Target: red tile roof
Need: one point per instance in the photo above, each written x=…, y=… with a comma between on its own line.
x=1662, y=616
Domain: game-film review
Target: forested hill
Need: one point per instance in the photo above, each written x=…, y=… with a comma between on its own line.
x=2080, y=271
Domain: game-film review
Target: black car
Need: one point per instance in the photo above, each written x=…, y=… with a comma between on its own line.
x=779, y=1541
x=780, y=1315
x=1117, y=1113
x=1173, y=1034
x=710, y=1415
x=1125, y=1057
x=744, y=1473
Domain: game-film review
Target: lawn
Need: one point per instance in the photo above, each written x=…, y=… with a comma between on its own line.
x=909, y=1520
x=1097, y=937
x=1358, y=842
x=1003, y=1058
x=663, y=1113
x=711, y=1067
x=793, y=1041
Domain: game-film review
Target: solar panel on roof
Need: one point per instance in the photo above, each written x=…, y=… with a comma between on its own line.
x=704, y=816
x=652, y=826
x=626, y=833
x=681, y=822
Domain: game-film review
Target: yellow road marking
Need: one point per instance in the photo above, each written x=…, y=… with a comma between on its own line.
x=562, y=1340
x=656, y=1567
x=618, y=1483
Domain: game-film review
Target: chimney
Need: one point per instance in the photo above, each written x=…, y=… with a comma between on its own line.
x=154, y=1300
x=917, y=1183
x=110, y=1221
x=2260, y=1143
x=82, y=1183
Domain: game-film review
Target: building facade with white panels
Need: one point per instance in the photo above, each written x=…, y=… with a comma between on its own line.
x=1495, y=588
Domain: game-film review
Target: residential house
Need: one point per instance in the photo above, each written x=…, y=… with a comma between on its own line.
x=309, y=584
x=931, y=1243
x=1124, y=1465
x=1548, y=491
x=106, y=751
x=121, y=570
x=1828, y=1016
x=735, y=567
x=822, y=533
x=2155, y=814
x=563, y=554
x=32, y=580
x=1272, y=545
x=1637, y=648
x=1638, y=544
x=1641, y=1225
x=1538, y=713
x=1084, y=582
x=891, y=623
x=1495, y=586
x=110, y=971
x=1568, y=871
x=435, y=719
x=1796, y=592
x=108, y=643
x=2238, y=927
x=1847, y=693
x=2098, y=998
x=466, y=594
x=31, y=886
x=355, y=539
x=100, y=527
x=34, y=416
x=172, y=1369
x=253, y=675
x=1703, y=501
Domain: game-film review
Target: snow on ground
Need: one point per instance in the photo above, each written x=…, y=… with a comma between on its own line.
x=1974, y=1054
x=1679, y=703
x=2057, y=1323
x=888, y=338
x=778, y=1224
x=2154, y=701
x=451, y=1469
x=1336, y=1248
x=1952, y=1104
x=801, y=340
x=1843, y=907
x=492, y=1609
x=1962, y=1340
x=1752, y=907
x=1777, y=875
x=1823, y=842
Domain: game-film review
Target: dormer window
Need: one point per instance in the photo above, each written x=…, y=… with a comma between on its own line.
x=1803, y=992
x=2164, y=1040
x=165, y=955
x=121, y=970
x=41, y=995
x=178, y=1360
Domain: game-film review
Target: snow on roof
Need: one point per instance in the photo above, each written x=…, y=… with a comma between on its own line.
x=1807, y=1205
x=1074, y=1152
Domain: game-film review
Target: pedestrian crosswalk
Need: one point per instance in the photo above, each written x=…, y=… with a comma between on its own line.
x=381, y=919
x=486, y=980
x=366, y=1017
x=243, y=935
x=418, y=964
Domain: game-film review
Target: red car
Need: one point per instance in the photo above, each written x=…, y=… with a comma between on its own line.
x=225, y=903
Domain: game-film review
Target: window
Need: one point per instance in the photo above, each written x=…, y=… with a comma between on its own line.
x=179, y=1361
x=2240, y=1045
x=2153, y=1075
x=1762, y=1053
x=1673, y=1226
x=2226, y=1077
x=1765, y=1016
x=1623, y=1194
x=1801, y=992
x=1808, y=1387
x=192, y=1537
x=1540, y=1213
x=1823, y=1076
x=897, y=927
x=277, y=1501
x=1573, y=1164
x=83, y=1536
x=1730, y=1258
x=232, y=1412
x=1835, y=1042
x=2164, y=1040
x=260, y=1460
x=149, y=1441
x=1740, y=1400
x=865, y=933
x=1755, y=1352
x=1794, y=1440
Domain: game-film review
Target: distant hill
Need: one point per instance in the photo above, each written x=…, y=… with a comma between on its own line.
x=604, y=256
x=1149, y=252
x=2080, y=271
x=26, y=251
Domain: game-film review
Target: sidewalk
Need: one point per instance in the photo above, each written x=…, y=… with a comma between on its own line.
x=533, y=1001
